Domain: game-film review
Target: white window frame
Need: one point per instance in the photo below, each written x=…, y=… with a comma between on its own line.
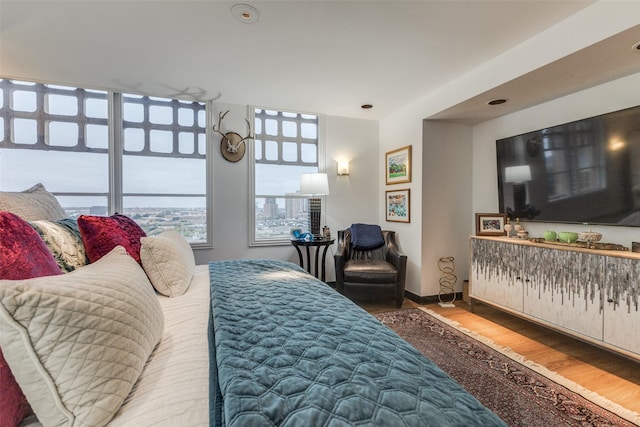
x=116, y=152
x=251, y=173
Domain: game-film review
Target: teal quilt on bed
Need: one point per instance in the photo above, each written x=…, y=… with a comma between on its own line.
x=288, y=350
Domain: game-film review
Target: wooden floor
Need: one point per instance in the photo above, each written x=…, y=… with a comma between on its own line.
x=609, y=375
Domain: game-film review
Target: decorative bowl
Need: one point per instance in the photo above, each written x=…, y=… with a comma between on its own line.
x=589, y=236
x=568, y=236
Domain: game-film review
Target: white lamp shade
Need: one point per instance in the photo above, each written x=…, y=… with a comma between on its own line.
x=314, y=184
x=517, y=173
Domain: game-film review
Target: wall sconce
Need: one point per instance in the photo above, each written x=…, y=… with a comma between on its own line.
x=343, y=167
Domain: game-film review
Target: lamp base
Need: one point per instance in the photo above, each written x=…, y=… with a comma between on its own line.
x=315, y=209
x=447, y=305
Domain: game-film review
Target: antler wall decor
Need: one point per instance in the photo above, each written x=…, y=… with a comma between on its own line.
x=232, y=145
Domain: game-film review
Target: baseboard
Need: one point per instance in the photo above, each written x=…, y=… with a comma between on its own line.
x=431, y=299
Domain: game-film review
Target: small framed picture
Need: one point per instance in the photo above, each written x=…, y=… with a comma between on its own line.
x=398, y=165
x=398, y=205
x=490, y=224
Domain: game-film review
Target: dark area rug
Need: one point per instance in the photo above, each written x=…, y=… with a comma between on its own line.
x=516, y=393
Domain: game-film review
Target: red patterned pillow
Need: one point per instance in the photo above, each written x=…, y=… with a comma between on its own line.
x=23, y=255
x=13, y=405
x=100, y=234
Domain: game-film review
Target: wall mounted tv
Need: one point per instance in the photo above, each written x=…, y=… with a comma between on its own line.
x=587, y=171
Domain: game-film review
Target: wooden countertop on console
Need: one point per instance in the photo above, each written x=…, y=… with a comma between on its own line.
x=575, y=247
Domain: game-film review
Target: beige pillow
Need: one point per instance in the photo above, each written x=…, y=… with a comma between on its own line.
x=32, y=204
x=76, y=343
x=168, y=261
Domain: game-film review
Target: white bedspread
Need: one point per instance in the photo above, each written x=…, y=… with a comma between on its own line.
x=173, y=390
x=174, y=387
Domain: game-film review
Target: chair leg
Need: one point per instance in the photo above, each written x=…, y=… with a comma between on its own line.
x=399, y=302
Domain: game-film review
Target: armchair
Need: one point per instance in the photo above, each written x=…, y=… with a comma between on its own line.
x=380, y=271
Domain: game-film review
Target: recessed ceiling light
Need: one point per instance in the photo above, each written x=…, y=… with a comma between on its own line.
x=636, y=46
x=497, y=101
x=366, y=106
x=245, y=13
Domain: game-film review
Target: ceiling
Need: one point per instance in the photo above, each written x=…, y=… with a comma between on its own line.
x=315, y=56
x=607, y=60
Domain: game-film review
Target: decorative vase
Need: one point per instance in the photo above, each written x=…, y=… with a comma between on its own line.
x=518, y=226
x=550, y=236
x=568, y=236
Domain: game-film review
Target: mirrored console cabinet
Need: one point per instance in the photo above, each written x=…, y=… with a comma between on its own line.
x=589, y=294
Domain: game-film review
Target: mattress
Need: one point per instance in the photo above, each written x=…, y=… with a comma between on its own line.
x=173, y=389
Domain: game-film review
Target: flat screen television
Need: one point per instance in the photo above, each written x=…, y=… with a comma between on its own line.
x=587, y=171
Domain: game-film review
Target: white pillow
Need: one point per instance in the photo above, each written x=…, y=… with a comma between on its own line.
x=77, y=342
x=35, y=203
x=168, y=261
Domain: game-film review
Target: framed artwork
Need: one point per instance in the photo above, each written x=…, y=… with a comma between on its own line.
x=398, y=205
x=398, y=165
x=490, y=224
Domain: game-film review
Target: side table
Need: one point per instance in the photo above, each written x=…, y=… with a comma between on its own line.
x=318, y=244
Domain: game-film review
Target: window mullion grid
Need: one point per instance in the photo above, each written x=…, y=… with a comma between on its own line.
x=175, y=131
x=6, y=105
x=116, y=150
x=146, y=124
x=81, y=119
x=42, y=118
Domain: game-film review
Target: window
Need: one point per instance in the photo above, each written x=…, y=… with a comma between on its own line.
x=153, y=169
x=56, y=135
x=164, y=170
x=286, y=145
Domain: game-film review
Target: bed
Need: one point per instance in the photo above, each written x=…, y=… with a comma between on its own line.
x=231, y=343
x=290, y=351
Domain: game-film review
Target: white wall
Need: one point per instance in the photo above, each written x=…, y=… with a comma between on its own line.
x=423, y=243
x=401, y=129
x=612, y=96
x=446, y=186
x=353, y=198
